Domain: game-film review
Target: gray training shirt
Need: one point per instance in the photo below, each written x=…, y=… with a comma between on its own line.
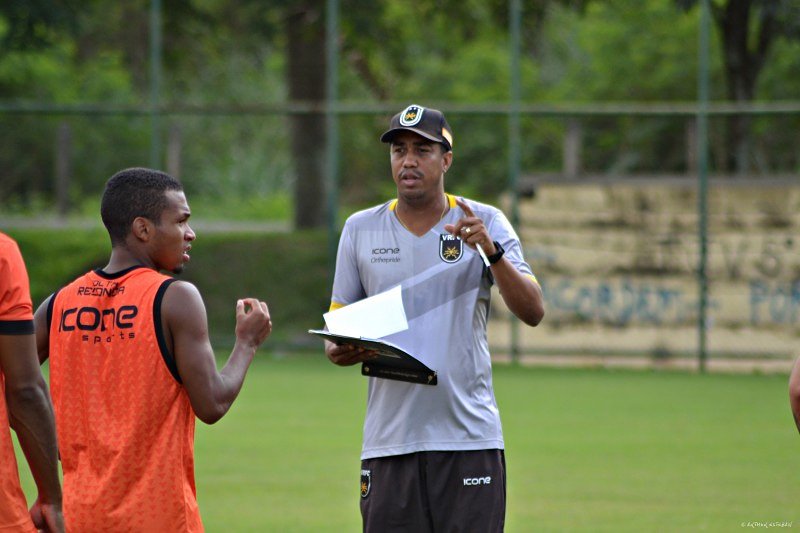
x=446, y=291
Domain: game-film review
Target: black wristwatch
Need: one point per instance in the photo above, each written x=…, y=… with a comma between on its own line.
x=495, y=257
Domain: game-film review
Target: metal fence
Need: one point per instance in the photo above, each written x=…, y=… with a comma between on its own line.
x=538, y=152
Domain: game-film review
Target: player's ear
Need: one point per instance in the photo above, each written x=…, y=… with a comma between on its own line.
x=142, y=228
x=447, y=160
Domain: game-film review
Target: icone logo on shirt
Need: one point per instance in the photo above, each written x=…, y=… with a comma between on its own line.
x=99, y=320
x=385, y=254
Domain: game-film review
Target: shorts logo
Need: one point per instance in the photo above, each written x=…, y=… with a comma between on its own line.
x=487, y=480
x=450, y=248
x=412, y=115
x=366, y=482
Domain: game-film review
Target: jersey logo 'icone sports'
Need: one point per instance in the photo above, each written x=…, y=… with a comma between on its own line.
x=99, y=325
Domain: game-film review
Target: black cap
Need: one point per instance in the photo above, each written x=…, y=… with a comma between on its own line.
x=430, y=123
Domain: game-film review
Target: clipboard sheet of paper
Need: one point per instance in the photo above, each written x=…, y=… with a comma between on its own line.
x=392, y=362
x=374, y=317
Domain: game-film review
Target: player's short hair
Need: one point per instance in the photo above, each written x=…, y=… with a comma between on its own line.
x=131, y=193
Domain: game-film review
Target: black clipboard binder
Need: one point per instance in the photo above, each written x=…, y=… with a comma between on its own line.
x=392, y=362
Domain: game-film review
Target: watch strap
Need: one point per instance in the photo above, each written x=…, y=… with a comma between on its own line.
x=495, y=257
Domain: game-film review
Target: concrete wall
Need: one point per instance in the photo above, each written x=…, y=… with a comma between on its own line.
x=618, y=267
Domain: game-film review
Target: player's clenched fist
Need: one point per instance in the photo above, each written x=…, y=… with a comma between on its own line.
x=253, y=324
x=47, y=517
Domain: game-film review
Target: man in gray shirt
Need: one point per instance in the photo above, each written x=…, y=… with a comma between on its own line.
x=432, y=456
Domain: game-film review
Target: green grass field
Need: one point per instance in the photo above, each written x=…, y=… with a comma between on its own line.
x=587, y=450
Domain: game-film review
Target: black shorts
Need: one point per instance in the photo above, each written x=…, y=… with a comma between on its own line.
x=434, y=491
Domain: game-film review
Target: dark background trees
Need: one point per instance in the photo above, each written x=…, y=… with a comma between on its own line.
x=747, y=31
x=225, y=57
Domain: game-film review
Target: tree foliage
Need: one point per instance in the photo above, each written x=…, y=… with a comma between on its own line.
x=236, y=54
x=748, y=31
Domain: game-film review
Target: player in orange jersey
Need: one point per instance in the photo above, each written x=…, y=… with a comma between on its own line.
x=131, y=366
x=25, y=404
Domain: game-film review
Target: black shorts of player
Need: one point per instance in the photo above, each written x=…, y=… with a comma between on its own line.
x=434, y=491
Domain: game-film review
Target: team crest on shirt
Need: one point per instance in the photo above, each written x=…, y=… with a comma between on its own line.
x=412, y=115
x=366, y=482
x=450, y=248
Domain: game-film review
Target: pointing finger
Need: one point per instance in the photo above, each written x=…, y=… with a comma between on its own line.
x=464, y=207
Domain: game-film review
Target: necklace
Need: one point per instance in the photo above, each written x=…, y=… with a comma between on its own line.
x=400, y=220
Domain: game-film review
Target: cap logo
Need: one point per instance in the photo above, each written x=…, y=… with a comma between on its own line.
x=412, y=115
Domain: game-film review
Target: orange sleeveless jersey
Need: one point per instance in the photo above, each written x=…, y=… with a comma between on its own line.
x=16, y=318
x=125, y=425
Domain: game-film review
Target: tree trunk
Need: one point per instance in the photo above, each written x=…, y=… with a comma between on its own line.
x=306, y=76
x=743, y=59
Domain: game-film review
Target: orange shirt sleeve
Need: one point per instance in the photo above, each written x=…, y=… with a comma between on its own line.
x=16, y=307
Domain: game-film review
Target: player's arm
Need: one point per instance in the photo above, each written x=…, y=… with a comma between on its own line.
x=210, y=391
x=30, y=414
x=42, y=328
x=794, y=392
x=347, y=354
x=520, y=292
x=346, y=288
